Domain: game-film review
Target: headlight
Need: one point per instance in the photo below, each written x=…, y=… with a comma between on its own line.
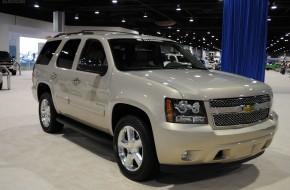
x=185, y=111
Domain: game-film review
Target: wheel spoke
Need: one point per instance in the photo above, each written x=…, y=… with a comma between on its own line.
x=130, y=134
x=129, y=161
x=138, y=158
x=138, y=143
x=123, y=143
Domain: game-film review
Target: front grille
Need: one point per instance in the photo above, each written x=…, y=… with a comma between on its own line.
x=240, y=118
x=232, y=102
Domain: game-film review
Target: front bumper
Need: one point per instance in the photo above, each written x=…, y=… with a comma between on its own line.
x=182, y=144
x=10, y=67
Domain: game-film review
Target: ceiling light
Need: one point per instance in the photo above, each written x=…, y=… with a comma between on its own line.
x=123, y=20
x=169, y=27
x=191, y=19
x=145, y=15
x=281, y=38
x=208, y=32
x=274, y=6
x=36, y=5
x=76, y=16
x=269, y=19
x=158, y=33
x=212, y=36
x=286, y=40
x=169, y=36
x=114, y=1
x=97, y=12
x=178, y=8
x=177, y=30
x=203, y=39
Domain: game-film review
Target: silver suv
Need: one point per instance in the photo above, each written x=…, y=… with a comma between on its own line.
x=159, y=113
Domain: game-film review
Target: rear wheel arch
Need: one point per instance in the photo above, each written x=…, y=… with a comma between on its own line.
x=42, y=88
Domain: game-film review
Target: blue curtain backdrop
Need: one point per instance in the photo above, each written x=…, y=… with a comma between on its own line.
x=244, y=37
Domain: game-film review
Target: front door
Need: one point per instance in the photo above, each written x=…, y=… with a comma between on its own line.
x=89, y=94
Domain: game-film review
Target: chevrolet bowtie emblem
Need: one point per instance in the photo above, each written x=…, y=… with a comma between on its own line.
x=248, y=108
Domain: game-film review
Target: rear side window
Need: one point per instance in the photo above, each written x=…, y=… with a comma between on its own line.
x=47, y=52
x=67, y=54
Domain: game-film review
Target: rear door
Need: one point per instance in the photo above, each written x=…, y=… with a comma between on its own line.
x=62, y=76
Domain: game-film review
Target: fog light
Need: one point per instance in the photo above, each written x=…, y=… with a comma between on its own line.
x=184, y=155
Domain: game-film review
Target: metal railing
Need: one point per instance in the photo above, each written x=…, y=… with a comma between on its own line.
x=8, y=74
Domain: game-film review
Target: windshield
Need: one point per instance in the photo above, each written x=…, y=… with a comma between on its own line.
x=4, y=55
x=144, y=54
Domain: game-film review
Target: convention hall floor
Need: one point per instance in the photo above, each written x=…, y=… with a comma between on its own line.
x=31, y=159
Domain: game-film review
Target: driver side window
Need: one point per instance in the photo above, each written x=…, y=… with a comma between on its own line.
x=93, y=58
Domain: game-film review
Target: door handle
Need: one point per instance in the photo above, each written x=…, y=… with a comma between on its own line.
x=53, y=76
x=76, y=81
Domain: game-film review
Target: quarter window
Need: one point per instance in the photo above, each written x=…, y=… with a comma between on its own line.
x=47, y=52
x=67, y=54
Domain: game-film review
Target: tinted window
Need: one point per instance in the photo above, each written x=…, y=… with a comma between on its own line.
x=67, y=54
x=144, y=54
x=92, y=57
x=47, y=52
x=4, y=55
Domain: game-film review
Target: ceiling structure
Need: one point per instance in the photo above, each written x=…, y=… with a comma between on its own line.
x=198, y=23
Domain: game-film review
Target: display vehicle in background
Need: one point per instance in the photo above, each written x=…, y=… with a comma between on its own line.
x=159, y=113
x=9, y=62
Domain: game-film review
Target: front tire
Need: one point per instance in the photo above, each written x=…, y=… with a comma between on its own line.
x=48, y=115
x=134, y=149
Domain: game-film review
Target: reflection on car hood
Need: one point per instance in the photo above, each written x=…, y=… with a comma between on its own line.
x=205, y=84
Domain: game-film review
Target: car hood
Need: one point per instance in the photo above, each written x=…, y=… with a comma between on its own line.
x=206, y=84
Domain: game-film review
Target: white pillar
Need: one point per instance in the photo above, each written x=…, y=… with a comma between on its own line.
x=58, y=21
x=4, y=40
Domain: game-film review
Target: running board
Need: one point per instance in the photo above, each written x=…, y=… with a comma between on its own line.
x=90, y=132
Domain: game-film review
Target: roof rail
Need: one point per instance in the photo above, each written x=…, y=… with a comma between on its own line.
x=72, y=33
x=110, y=31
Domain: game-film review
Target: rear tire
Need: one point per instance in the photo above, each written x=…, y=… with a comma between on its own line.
x=13, y=72
x=134, y=149
x=48, y=115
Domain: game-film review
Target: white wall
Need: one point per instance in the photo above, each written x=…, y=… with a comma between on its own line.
x=13, y=27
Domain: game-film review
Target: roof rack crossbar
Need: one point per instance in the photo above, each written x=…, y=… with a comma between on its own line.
x=71, y=33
